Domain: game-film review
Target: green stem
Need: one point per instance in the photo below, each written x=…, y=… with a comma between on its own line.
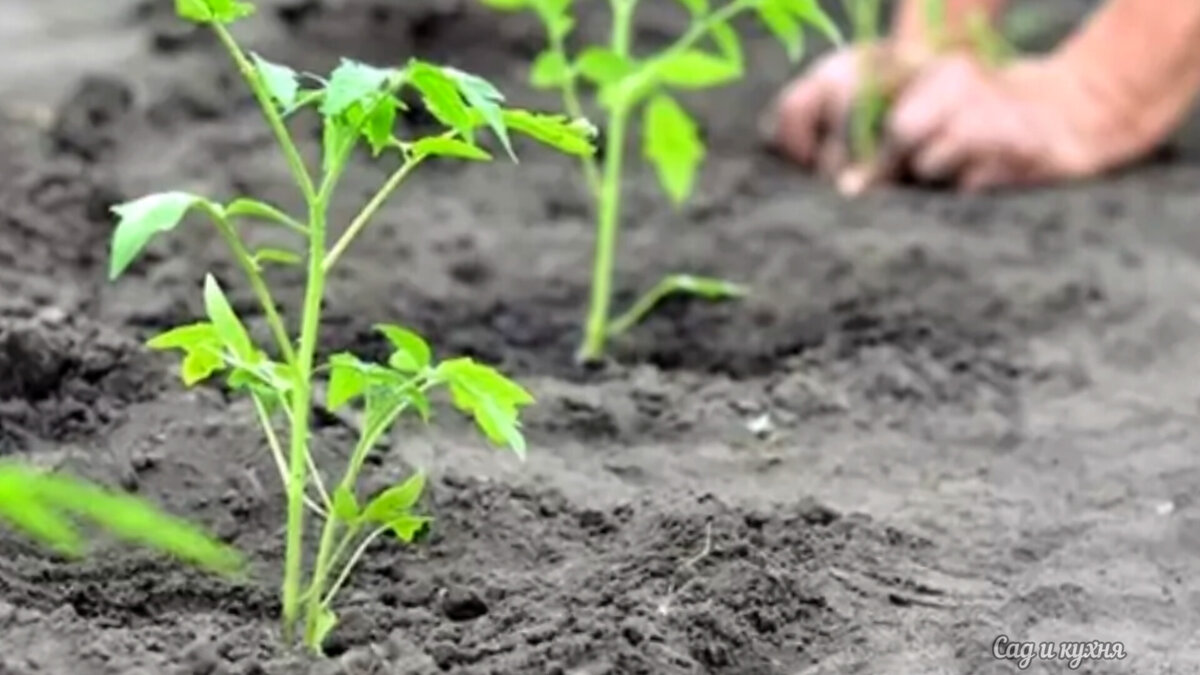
x=270, y=111
x=369, y=211
x=264, y=420
x=301, y=405
x=229, y=234
x=349, y=566
x=609, y=212
x=606, y=240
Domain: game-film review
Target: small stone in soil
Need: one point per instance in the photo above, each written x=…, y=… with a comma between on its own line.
x=463, y=604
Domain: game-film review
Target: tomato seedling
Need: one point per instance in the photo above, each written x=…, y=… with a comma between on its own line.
x=624, y=82
x=357, y=105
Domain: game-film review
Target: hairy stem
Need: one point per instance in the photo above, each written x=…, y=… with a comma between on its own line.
x=349, y=566
x=264, y=420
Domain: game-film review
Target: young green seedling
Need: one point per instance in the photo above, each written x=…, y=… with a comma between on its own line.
x=624, y=83
x=43, y=505
x=875, y=98
x=357, y=103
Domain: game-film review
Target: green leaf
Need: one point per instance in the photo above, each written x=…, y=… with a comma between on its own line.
x=185, y=337
x=38, y=502
x=275, y=255
x=352, y=82
x=728, y=42
x=281, y=81
x=441, y=146
x=697, y=8
x=441, y=96
x=694, y=69
x=709, y=288
x=506, y=5
x=345, y=506
x=213, y=11
x=549, y=70
x=783, y=26
x=574, y=137
x=347, y=380
x=202, y=350
x=326, y=622
x=491, y=399
x=140, y=220
x=380, y=125
x=199, y=365
x=407, y=527
x=602, y=65
x=253, y=208
x=484, y=99
x=395, y=501
x=671, y=142
x=412, y=352
x=229, y=328
x=811, y=13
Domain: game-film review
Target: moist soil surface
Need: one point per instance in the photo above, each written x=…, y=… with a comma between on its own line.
x=936, y=421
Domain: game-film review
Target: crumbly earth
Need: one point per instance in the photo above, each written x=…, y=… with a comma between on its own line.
x=937, y=420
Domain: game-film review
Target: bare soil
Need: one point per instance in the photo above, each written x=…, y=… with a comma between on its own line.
x=937, y=420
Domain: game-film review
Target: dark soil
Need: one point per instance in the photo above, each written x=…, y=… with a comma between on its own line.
x=936, y=421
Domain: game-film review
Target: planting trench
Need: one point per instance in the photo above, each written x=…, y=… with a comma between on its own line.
x=936, y=421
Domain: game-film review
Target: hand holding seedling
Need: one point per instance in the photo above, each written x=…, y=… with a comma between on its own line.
x=357, y=105
x=975, y=120
x=707, y=55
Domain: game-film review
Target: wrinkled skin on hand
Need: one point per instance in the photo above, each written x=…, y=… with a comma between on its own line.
x=955, y=121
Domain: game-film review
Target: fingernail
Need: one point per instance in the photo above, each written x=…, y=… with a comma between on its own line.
x=853, y=181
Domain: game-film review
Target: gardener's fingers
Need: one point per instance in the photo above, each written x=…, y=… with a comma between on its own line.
x=799, y=120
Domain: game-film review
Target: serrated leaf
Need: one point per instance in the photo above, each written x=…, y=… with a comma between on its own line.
x=602, y=66
x=694, y=69
x=345, y=506
x=783, y=26
x=412, y=352
x=574, y=137
x=491, y=399
x=281, y=81
x=225, y=322
x=380, y=125
x=408, y=528
x=550, y=69
x=140, y=220
x=441, y=96
x=352, y=82
x=277, y=256
x=440, y=146
x=671, y=142
x=484, y=99
x=395, y=501
x=347, y=380
x=213, y=11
